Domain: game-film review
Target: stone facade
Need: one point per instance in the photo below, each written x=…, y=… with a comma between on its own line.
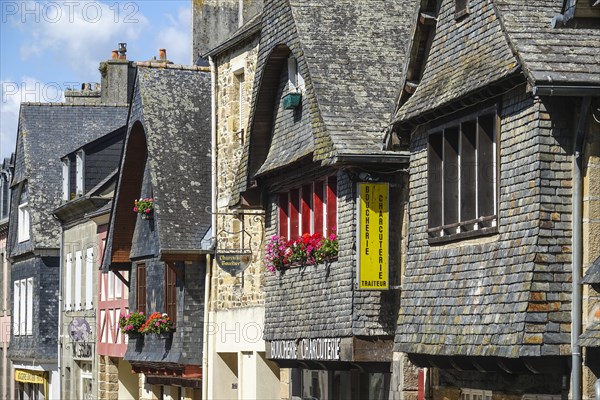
x=229, y=292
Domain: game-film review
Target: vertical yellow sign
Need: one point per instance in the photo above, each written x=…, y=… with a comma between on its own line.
x=373, y=236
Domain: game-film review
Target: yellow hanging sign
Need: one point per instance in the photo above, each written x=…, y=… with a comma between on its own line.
x=373, y=236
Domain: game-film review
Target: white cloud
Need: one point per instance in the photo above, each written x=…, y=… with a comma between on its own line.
x=176, y=37
x=79, y=32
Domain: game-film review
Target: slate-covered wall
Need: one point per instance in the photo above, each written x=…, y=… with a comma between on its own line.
x=508, y=294
x=99, y=163
x=186, y=345
x=41, y=345
x=321, y=300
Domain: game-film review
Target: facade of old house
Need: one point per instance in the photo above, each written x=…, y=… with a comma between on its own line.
x=494, y=102
x=89, y=173
x=34, y=234
x=235, y=322
x=6, y=382
x=312, y=160
x=166, y=158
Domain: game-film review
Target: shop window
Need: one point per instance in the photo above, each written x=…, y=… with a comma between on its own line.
x=171, y=292
x=462, y=175
x=141, y=288
x=475, y=394
x=311, y=208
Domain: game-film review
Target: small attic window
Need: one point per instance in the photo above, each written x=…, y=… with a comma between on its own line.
x=461, y=8
x=295, y=81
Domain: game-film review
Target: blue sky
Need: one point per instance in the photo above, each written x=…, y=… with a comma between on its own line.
x=47, y=46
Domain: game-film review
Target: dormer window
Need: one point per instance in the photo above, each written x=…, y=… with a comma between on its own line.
x=461, y=8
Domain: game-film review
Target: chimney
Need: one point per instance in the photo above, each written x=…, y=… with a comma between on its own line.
x=162, y=55
x=122, y=51
x=117, y=77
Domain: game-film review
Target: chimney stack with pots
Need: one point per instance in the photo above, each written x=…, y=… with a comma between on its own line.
x=118, y=75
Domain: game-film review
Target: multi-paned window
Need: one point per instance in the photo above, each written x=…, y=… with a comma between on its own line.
x=475, y=394
x=462, y=175
x=23, y=307
x=141, y=288
x=310, y=208
x=171, y=291
x=78, y=280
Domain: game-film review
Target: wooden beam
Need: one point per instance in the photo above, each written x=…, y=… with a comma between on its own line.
x=426, y=18
x=121, y=278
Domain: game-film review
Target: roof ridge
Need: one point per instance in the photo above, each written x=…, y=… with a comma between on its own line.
x=162, y=65
x=59, y=104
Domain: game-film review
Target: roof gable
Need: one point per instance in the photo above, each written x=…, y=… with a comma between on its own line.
x=466, y=54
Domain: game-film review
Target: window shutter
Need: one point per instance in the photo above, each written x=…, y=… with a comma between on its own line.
x=78, y=280
x=318, y=201
x=171, y=292
x=294, y=214
x=141, y=288
x=306, y=207
x=89, y=270
x=16, y=308
x=331, y=204
x=29, y=305
x=23, y=305
x=68, y=281
x=65, y=180
x=284, y=215
x=79, y=172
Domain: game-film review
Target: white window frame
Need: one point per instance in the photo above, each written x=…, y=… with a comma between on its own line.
x=23, y=222
x=23, y=307
x=295, y=80
x=16, y=308
x=68, y=278
x=79, y=188
x=475, y=394
x=29, y=308
x=78, y=273
x=65, y=180
x=89, y=271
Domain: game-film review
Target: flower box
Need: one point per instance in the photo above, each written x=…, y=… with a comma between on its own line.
x=305, y=250
x=291, y=100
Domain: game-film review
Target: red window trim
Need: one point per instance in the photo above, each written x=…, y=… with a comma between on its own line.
x=311, y=208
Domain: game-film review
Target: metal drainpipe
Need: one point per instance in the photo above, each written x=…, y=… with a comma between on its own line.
x=213, y=205
x=577, y=249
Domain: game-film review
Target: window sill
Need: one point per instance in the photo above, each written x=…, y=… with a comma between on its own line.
x=487, y=226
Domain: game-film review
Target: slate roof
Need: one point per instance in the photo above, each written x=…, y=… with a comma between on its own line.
x=350, y=55
x=591, y=336
x=494, y=42
x=173, y=104
x=592, y=274
x=465, y=55
x=564, y=55
x=354, y=51
x=45, y=133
